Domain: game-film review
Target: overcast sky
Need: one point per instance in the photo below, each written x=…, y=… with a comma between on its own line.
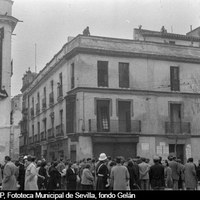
x=48, y=23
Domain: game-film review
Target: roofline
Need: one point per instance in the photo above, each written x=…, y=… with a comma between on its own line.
x=167, y=35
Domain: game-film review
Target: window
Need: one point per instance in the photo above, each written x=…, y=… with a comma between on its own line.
x=61, y=116
x=33, y=130
x=102, y=73
x=45, y=124
x=59, y=88
x=72, y=76
x=124, y=75
x=52, y=85
x=174, y=79
x=45, y=92
x=103, y=115
x=38, y=127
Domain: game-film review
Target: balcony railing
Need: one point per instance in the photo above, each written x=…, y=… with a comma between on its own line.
x=43, y=136
x=59, y=130
x=51, y=99
x=115, y=126
x=50, y=133
x=44, y=103
x=37, y=108
x=181, y=128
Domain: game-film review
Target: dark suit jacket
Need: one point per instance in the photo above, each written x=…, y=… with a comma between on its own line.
x=156, y=176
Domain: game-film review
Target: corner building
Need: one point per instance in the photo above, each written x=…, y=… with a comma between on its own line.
x=118, y=96
x=7, y=26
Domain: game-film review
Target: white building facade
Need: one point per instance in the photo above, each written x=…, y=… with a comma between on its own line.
x=7, y=25
x=118, y=96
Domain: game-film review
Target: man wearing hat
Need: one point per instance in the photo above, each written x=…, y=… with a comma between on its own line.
x=102, y=173
x=156, y=175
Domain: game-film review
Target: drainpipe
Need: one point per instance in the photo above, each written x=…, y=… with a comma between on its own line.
x=83, y=125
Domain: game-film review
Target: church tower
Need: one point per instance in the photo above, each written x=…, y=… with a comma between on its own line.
x=7, y=25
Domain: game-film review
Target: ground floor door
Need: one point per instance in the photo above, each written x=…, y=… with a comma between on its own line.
x=127, y=150
x=179, y=151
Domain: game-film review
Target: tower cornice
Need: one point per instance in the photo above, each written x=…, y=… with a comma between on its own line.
x=9, y=20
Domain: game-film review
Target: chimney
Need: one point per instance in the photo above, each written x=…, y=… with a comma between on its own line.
x=190, y=27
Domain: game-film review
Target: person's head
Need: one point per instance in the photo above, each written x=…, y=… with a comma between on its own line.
x=156, y=159
x=190, y=160
x=112, y=163
x=39, y=162
x=109, y=158
x=55, y=163
x=165, y=163
x=7, y=159
x=130, y=163
x=118, y=160
x=43, y=163
x=199, y=162
x=87, y=166
x=147, y=160
x=143, y=159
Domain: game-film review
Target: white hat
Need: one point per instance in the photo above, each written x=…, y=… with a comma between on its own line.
x=25, y=157
x=102, y=156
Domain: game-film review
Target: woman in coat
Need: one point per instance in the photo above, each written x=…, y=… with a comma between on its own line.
x=9, y=181
x=30, y=175
x=71, y=177
x=54, y=178
x=87, y=179
x=190, y=175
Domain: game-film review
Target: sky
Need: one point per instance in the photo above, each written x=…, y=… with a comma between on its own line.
x=46, y=25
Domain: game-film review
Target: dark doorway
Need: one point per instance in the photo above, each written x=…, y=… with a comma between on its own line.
x=179, y=150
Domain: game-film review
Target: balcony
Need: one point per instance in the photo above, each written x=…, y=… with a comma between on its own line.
x=50, y=133
x=43, y=136
x=115, y=126
x=178, y=128
x=44, y=104
x=59, y=92
x=37, y=109
x=32, y=112
x=59, y=130
x=51, y=99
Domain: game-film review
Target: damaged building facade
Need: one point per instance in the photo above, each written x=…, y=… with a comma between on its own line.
x=117, y=96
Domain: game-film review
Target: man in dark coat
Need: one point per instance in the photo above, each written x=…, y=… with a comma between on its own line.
x=156, y=175
x=21, y=176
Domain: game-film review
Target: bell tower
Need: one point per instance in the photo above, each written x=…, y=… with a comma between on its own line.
x=7, y=25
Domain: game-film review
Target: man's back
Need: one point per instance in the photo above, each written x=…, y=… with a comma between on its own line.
x=119, y=177
x=175, y=169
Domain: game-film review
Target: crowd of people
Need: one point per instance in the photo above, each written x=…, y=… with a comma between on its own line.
x=103, y=173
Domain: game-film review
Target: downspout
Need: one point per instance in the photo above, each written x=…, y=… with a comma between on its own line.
x=83, y=125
